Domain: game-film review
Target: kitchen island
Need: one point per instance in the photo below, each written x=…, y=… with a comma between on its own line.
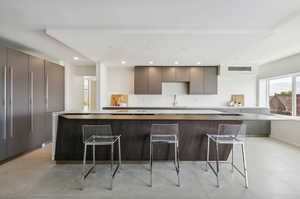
x=134, y=128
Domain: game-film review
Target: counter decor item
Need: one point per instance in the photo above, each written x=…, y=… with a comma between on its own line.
x=237, y=100
x=119, y=100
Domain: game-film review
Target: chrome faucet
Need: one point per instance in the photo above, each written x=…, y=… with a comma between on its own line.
x=175, y=100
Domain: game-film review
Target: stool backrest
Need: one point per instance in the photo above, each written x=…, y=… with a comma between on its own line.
x=236, y=130
x=95, y=130
x=164, y=129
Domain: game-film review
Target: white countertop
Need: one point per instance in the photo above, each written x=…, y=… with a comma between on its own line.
x=189, y=107
x=161, y=112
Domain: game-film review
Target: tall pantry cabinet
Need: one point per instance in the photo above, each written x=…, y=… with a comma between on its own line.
x=23, y=92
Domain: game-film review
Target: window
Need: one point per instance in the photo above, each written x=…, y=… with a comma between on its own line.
x=280, y=96
x=297, y=87
x=85, y=94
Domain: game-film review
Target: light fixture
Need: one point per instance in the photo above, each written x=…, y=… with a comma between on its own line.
x=123, y=62
x=150, y=62
x=176, y=63
x=198, y=63
x=75, y=58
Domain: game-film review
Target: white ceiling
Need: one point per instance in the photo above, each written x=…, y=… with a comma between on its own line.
x=137, y=31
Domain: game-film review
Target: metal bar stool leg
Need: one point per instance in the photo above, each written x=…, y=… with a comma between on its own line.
x=177, y=162
x=84, y=161
x=217, y=162
x=232, y=168
x=111, y=166
x=207, y=156
x=245, y=166
x=94, y=159
x=119, y=146
x=151, y=159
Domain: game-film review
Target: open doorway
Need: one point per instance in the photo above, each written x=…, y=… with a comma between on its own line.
x=89, y=93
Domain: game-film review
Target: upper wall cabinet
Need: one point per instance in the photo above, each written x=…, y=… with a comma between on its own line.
x=168, y=74
x=196, y=80
x=210, y=80
x=154, y=80
x=147, y=80
x=182, y=74
x=141, y=78
x=202, y=80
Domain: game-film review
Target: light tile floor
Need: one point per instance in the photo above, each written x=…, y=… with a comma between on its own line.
x=273, y=174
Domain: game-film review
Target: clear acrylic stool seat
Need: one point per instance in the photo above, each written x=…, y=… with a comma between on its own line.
x=165, y=134
x=232, y=134
x=96, y=135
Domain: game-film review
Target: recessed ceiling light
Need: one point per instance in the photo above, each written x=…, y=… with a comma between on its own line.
x=198, y=63
x=176, y=63
x=123, y=62
x=75, y=58
x=151, y=62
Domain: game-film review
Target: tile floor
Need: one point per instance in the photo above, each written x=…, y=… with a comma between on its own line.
x=273, y=174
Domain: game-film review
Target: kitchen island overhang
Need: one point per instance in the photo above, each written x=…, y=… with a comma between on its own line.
x=135, y=128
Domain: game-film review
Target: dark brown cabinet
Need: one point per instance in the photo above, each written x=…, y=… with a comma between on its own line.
x=17, y=101
x=182, y=74
x=54, y=93
x=168, y=74
x=54, y=76
x=154, y=80
x=210, y=80
x=37, y=103
x=141, y=79
x=196, y=80
x=3, y=76
x=23, y=92
x=203, y=80
x=147, y=80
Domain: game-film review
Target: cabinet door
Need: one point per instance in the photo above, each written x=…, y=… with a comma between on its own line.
x=141, y=79
x=18, y=102
x=55, y=87
x=3, y=75
x=168, y=74
x=154, y=83
x=210, y=80
x=182, y=74
x=196, y=80
x=37, y=108
x=54, y=94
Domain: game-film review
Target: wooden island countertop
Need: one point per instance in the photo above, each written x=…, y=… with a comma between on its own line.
x=124, y=116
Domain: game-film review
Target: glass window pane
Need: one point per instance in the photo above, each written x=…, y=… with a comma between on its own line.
x=280, y=96
x=86, y=84
x=298, y=95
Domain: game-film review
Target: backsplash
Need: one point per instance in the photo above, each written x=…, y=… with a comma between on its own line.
x=121, y=81
x=182, y=100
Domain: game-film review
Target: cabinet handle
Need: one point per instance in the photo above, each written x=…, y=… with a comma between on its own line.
x=4, y=101
x=47, y=93
x=31, y=101
x=11, y=102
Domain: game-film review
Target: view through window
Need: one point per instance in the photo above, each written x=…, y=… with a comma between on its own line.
x=280, y=95
x=298, y=95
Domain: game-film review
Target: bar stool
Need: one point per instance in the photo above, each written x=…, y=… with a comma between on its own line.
x=165, y=134
x=94, y=135
x=232, y=134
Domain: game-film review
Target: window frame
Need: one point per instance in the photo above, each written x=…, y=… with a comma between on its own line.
x=294, y=87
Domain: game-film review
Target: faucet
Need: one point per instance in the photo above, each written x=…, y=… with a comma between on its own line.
x=175, y=100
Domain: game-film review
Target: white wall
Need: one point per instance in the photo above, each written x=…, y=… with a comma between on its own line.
x=286, y=131
x=76, y=74
x=120, y=80
x=280, y=67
